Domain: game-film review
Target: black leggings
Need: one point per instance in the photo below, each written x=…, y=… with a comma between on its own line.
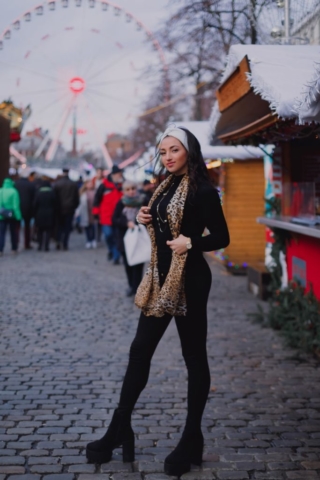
x=192, y=331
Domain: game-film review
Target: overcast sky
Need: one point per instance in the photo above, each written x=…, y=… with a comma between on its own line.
x=107, y=50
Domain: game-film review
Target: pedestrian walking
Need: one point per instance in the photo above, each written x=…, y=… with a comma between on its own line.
x=45, y=206
x=87, y=193
x=98, y=179
x=124, y=217
x=105, y=201
x=27, y=190
x=177, y=283
x=67, y=201
x=10, y=214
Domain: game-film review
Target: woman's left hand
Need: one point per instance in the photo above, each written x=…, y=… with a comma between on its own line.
x=179, y=245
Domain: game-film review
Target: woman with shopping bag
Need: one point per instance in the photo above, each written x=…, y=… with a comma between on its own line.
x=176, y=284
x=128, y=235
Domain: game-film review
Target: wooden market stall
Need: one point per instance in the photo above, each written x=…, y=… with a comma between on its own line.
x=11, y=123
x=242, y=182
x=4, y=148
x=270, y=95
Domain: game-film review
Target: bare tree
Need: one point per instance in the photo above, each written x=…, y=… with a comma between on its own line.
x=198, y=37
x=153, y=118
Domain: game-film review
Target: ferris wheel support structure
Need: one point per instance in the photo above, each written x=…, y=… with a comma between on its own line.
x=42, y=145
x=54, y=144
x=104, y=149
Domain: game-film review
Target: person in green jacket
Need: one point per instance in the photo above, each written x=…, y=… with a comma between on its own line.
x=10, y=200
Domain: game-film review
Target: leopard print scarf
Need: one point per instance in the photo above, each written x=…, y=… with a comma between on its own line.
x=170, y=298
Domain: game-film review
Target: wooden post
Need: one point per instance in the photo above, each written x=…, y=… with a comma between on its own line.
x=4, y=148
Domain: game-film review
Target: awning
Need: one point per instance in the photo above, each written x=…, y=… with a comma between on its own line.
x=202, y=131
x=263, y=84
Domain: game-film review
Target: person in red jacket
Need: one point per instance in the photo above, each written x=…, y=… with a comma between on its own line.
x=106, y=198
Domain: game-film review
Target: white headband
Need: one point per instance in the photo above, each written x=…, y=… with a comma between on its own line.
x=173, y=131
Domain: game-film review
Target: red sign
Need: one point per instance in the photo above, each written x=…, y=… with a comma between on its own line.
x=80, y=131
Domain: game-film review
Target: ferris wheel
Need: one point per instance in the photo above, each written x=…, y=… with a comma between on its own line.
x=84, y=59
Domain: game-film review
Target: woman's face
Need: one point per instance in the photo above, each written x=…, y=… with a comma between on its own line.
x=174, y=156
x=130, y=191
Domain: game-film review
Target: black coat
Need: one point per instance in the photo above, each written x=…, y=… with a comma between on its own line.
x=45, y=206
x=27, y=193
x=67, y=194
x=120, y=224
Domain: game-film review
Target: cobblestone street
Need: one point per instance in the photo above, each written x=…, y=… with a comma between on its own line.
x=66, y=327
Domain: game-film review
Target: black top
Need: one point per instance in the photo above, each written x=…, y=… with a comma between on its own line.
x=120, y=224
x=67, y=195
x=45, y=204
x=202, y=210
x=27, y=192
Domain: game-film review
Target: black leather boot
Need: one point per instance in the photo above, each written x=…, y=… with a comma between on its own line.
x=188, y=451
x=119, y=434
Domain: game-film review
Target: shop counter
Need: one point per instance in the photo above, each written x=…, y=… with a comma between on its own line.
x=303, y=251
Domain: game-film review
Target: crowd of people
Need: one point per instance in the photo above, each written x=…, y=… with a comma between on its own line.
x=44, y=209
x=49, y=210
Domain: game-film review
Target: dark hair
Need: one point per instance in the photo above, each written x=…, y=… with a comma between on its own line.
x=197, y=170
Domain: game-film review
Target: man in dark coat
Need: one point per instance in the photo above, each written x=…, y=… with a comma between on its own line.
x=67, y=195
x=27, y=192
x=44, y=214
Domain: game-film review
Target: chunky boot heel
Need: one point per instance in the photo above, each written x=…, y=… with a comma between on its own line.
x=118, y=434
x=188, y=451
x=128, y=451
x=196, y=454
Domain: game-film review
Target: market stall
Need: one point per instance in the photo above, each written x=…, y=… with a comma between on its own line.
x=4, y=148
x=270, y=95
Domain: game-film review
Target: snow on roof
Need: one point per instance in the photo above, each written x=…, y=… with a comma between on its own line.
x=201, y=130
x=287, y=76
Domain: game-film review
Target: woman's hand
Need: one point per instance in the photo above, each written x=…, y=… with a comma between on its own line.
x=131, y=225
x=144, y=216
x=179, y=245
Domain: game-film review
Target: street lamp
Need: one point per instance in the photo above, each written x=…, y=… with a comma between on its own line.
x=276, y=32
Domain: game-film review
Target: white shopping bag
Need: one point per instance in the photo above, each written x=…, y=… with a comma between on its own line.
x=137, y=245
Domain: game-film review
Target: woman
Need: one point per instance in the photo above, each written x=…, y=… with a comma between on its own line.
x=177, y=283
x=11, y=214
x=124, y=217
x=87, y=193
x=45, y=207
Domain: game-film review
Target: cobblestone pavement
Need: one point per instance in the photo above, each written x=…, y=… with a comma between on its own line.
x=66, y=327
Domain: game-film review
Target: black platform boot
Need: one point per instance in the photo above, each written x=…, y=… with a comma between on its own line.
x=188, y=451
x=119, y=434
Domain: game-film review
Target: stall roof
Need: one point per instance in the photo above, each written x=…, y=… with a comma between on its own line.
x=201, y=130
x=285, y=76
